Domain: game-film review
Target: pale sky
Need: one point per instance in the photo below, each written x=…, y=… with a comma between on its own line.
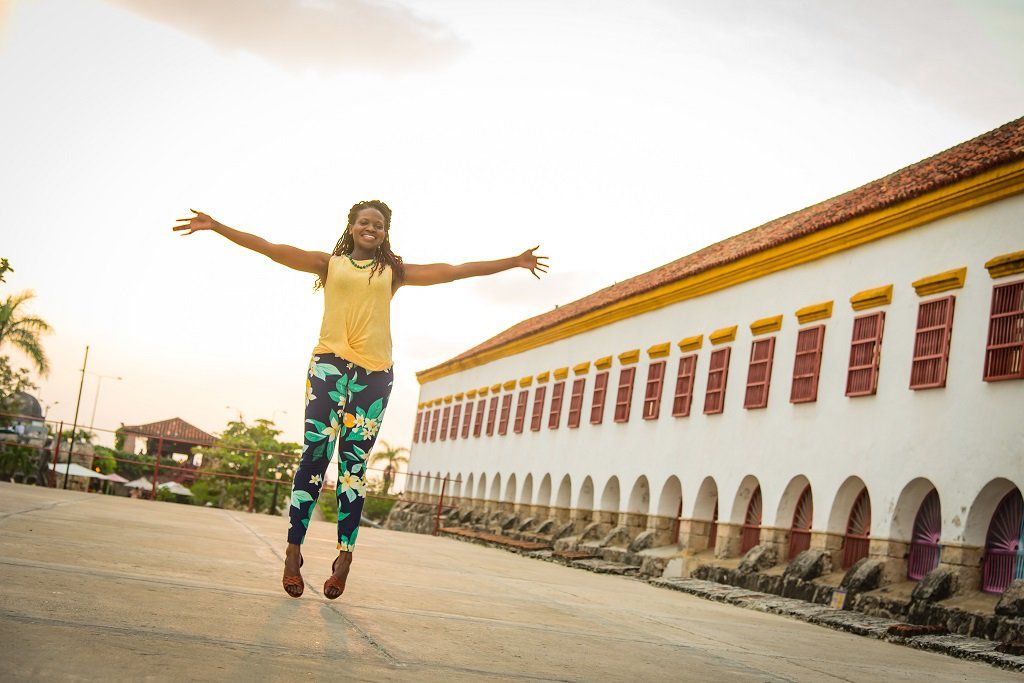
x=617, y=135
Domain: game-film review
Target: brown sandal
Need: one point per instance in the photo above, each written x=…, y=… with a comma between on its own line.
x=294, y=582
x=332, y=587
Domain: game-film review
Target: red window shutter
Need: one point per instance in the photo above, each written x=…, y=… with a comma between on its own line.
x=492, y=413
x=456, y=413
x=433, y=424
x=517, y=427
x=684, y=385
x=425, y=436
x=624, y=396
x=416, y=429
x=506, y=409
x=576, y=402
x=865, y=354
x=597, y=404
x=467, y=420
x=759, y=373
x=1005, y=349
x=718, y=375
x=556, y=405
x=652, y=394
x=807, y=366
x=931, y=343
x=445, y=416
x=538, y=408
x=478, y=423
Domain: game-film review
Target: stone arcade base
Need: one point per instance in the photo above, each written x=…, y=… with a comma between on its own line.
x=871, y=587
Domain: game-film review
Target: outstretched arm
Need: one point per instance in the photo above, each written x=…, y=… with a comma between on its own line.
x=437, y=273
x=287, y=255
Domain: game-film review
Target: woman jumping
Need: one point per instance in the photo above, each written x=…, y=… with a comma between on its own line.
x=350, y=374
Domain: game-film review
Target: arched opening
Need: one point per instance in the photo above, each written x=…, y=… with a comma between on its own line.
x=1004, y=544
x=639, y=505
x=436, y=484
x=544, y=492
x=752, y=522
x=585, y=498
x=610, y=502
x=495, y=495
x=526, y=495
x=481, y=489
x=670, y=507
x=470, y=491
x=705, y=509
x=510, y=490
x=858, y=530
x=924, y=542
x=803, y=517
x=457, y=486
x=563, y=499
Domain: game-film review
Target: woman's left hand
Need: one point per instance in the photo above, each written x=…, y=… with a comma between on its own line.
x=532, y=262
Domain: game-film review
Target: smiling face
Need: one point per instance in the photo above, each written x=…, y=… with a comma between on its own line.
x=368, y=231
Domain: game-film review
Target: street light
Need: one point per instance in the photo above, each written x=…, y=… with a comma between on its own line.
x=96, y=400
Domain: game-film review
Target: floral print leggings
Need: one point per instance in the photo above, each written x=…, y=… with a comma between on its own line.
x=345, y=404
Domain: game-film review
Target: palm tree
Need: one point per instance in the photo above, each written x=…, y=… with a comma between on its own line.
x=23, y=331
x=393, y=456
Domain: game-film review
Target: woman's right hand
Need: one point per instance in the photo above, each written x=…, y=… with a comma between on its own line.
x=200, y=221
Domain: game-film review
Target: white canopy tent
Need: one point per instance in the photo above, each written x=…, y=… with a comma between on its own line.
x=76, y=470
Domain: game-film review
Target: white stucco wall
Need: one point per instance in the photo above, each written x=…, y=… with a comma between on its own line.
x=960, y=437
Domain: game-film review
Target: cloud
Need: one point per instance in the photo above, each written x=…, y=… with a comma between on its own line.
x=318, y=34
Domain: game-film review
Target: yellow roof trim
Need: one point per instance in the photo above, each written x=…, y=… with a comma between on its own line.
x=659, y=350
x=511, y=384
x=809, y=314
x=766, y=325
x=870, y=298
x=448, y=398
x=561, y=373
x=941, y=282
x=482, y=391
x=1007, y=264
x=459, y=396
x=723, y=335
x=581, y=368
x=603, y=363
x=495, y=388
x=543, y=377
x=691, y=343
x=526, y=381
x=471, y=393
x=992, y=185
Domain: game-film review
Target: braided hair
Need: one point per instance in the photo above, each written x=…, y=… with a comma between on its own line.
x=383, y=256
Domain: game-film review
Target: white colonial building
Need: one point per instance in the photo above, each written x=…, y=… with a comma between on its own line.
x=848, y=378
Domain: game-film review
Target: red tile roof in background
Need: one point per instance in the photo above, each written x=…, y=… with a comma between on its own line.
x=174, y=429
x=985, y=152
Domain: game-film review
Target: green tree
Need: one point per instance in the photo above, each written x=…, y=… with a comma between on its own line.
x=22, y=331
x=5, y=267
x=228, y=457
x=104, y=458
x=11, y=382
x=392, y=458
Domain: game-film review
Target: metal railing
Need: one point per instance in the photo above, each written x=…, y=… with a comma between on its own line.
x=1000, y=568
x=923, y=558
x=58, y=453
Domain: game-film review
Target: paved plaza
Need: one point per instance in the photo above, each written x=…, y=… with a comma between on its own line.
x=103, y=588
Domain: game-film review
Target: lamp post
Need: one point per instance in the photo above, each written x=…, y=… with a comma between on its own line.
x=71, y=447
x=96, y=400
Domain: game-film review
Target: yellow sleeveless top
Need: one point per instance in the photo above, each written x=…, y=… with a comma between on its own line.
x=357, y=314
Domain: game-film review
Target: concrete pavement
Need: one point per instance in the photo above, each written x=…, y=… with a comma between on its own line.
x=97, y=587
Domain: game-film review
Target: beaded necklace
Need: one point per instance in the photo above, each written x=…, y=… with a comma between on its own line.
x=353, y=261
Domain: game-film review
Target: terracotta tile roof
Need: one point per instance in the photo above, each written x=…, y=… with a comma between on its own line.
x=1000, y=146
x=174, y=429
